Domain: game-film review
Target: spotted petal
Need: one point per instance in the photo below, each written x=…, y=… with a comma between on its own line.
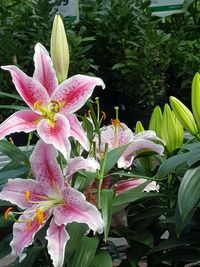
x=24, y=120
x=31, y=90
x=77, y=209
x=56, y=133
x=107, y=136
x=75, y=91
x=15, y=192
x=77, y=132
x=23, y=233
x=46, y=168
x=44, y=71
x=57, y=238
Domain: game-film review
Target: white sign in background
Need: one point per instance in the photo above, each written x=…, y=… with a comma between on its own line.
x=164, y=8
x=166, y=2
x=69, y=9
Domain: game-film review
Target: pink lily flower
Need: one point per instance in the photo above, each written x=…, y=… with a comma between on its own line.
x=125, y=185
x=51, y=105
x=47, y=198
x=119, y=134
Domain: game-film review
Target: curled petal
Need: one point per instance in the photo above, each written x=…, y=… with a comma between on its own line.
x=24, y=232
x=79, y=163
x=56, y=133
x=77, y=209
x=77, y=132
x=57, y=238
x=75, y=91
x=126, y=185
x=44, y=71
x=15, y=192
x=21, y=121
x=127, y=158
x=31, y=90
x=46, y=168
x=148, y=135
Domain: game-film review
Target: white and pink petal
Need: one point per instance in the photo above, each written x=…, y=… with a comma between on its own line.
x=46, y=168
x=138, y=145
x=15, y=191
x=24, y=232
x=77, y=132
x=75, y=91
x=44, y=71
x=125, y=185
x=31, y=90
x=79, y=163
x=56, y=133
x=57, y=238
x=21, y=121
x=77, y=209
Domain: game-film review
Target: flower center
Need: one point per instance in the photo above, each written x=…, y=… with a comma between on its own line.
x=42, y=206
x=49, y=111
x=116, y=124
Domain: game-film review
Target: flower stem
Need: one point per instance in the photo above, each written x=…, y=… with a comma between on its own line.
x=101, y=176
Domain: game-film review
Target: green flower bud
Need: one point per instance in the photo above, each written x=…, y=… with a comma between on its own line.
x=59, y=49
x=169, y=132
x=196, y=98
x=156, y=120
x=139, y=127
x=179, y=131
x=184, y=115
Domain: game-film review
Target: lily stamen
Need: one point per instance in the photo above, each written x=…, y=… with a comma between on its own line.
x=8, y=212
x=103, y=115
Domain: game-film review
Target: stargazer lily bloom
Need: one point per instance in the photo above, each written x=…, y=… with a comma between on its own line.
x=51, y=105
x=47, y=198
x=118, y=134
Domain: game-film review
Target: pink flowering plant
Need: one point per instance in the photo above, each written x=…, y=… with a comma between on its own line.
x=82, y=184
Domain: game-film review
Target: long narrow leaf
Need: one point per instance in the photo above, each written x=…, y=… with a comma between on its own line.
x=113, y=156
x=85, y=252
x=15, y=107
x=189, y=192
x=13, y=152
x=106, y=204
x=102, y=259
x=14, y=96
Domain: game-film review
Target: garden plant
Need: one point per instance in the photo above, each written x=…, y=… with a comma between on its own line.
x=84, y=183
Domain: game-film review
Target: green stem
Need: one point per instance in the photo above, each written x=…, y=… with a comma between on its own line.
x=101, y=176
x=98, y=109
x=99, y=193
x=30, y=136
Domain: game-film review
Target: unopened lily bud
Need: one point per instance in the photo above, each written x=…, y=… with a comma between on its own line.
x=184, y=115
x=59, y=49
x=179, y=131
x=169, y=133
x=156, y=121
x=196, y=98
x=139, y=127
